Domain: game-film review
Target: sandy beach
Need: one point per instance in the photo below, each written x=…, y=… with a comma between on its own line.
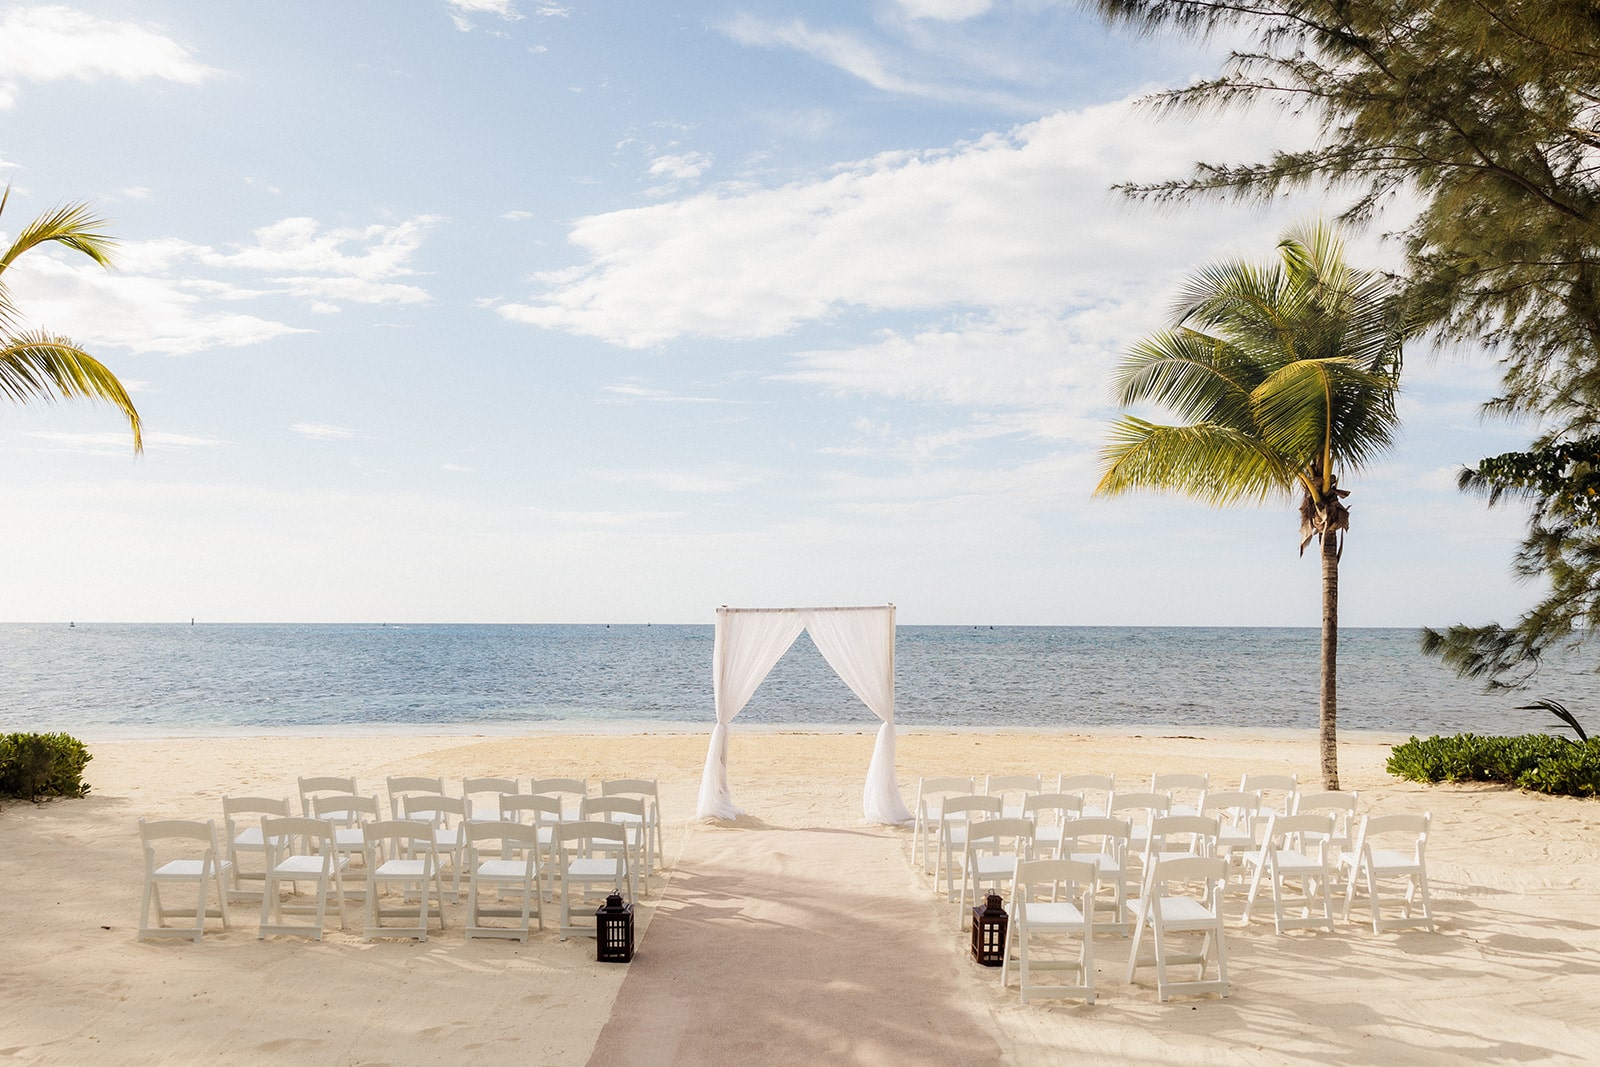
x=1512, y=973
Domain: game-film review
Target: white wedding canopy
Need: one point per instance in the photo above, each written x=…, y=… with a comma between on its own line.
x=858, y=643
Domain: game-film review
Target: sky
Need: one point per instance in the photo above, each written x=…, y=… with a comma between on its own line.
x=522, y=311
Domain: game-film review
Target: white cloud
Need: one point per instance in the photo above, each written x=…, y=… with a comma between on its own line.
x=685, y=166
x=717, y=479
x=944, y=10
x=506, y=9
x=157, y=302
x=56, y=43
x=118, y=445
x=608, y=519
x=323, y=431
x=1020, y=220
x=517, y=216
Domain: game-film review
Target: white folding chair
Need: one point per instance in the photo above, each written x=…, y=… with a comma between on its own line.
x=482, y=797
x=401, y=853
x=322, y=785
x=993, y=848
x=178, y=852
x=1011, y=788
x=647, y=791
x=1294, y=852
x=447, y=816
x=540, y=812
x=1093, y=789
x=570, y=790
x=1278, y=794
x=1047, y=812
x=1052, y=898
x=241, y=826
x=1102, y=841
x=348, y=813
x=1390, y=847
x=502, y=855
x=1139, y=809
x=1184, y=791
x=954, y=814
x=590, y=854
x=626, y=812
x=400, y=786
x=1235, y=812
x=1183, y=896
x=300, y=850
x=931, y=793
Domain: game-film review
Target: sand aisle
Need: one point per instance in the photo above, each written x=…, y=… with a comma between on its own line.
x=779, y=945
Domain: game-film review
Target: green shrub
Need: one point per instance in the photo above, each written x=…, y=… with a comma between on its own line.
x=1540, y=762
x=42, y=765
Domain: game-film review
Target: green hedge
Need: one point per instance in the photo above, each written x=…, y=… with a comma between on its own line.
x=1540, y=762
x=42, y=765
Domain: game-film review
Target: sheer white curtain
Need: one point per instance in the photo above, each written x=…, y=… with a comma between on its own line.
x=859, y=645
x=747, y=644
x=857, y=642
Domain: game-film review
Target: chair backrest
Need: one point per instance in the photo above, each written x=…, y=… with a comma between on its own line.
x=1305, y=832
x=499, y=838
x=994, y=837
x=537, y=809
x=1140, y=807
x=607, y=808
x=1062, y=805
x=437, y=810
x=346, y=809
x=1195, y=834
x=1093, y=789
x=1101, y=835
x=1341, y=804
x=957, y=808
x=312, y=787
x=483, y=795
x=1278, y=791
x=1052, y=880
x=312, y=837
x=1184, y=790
x=932, y=789
x=630, y=787
x=175, y=838
x=1200, y=877
x=587, y=837
x=400, y=786
x=1233, y=809
x=1413, y=828
x=399, y=837
x=233, y=807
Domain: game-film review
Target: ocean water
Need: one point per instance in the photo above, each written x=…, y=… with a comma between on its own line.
x=114, y=681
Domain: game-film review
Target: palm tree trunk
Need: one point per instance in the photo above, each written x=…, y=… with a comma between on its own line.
x=1328, y=719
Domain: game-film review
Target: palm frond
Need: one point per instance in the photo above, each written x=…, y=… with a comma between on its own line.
x=1215, y=464
x=1326, y=409
x=38, y=366
x=74, y=226
x=1189, y=373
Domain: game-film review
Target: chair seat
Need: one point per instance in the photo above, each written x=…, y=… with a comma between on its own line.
x=994, y=866
x=402, y=869
x=349, y=837
x=1105, y=864
x=594, y=867
x=189, y=869
x=1177, y=911
x=448, y=838
x=1052, y=913
x=503, y=870
x=310, y=866
x=250, y=838
x=1291, y=862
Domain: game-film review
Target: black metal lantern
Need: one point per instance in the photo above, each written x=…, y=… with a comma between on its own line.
x=613, y=931
x=989, y=921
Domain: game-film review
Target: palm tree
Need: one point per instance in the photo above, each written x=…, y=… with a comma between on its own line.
x=36, y=365
x=1285, y=378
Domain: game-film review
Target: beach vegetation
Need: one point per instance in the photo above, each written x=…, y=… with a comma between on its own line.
x=1542, y=763
x=36, y=364
x=1284, y=376
x=1483, y=115
x=35, y=766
